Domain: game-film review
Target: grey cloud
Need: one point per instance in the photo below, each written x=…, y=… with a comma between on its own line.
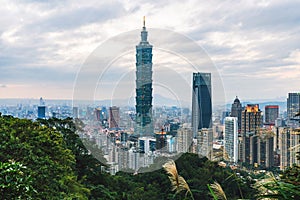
x=276, y=17
x=41, y=74
x=30, y=59
x=73, y=18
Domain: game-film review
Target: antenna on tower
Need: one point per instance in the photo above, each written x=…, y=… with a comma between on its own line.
x=144, y=21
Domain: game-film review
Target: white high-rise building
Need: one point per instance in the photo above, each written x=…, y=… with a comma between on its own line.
x=231, y=139
x=184, y=139
x=205, y=143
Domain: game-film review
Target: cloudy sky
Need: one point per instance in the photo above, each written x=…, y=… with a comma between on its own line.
x=254, y=45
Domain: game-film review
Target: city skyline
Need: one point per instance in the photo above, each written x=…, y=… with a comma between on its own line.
x=251, y=43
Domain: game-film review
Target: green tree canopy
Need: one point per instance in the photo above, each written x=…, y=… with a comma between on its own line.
x=44, y=152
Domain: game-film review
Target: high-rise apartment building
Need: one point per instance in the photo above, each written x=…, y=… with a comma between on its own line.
x=265, y=150
x=236, y=111
x=201, y=102
x=295, y=146
x=144, y=121
x=289, y=144
x=271, y=114
x=284, y=146
x=205, y=142
x=114, y=117
x=184, y=139
x=231, y=139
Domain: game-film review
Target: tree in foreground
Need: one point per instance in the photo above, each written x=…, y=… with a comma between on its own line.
x=43, y=151
x=14, y=183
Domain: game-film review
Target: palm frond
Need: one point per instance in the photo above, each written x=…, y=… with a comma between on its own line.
x=217, y=191
x=178, y=182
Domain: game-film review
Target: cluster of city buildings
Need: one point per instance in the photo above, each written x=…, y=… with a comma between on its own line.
x=133, y=138
x=264, y=140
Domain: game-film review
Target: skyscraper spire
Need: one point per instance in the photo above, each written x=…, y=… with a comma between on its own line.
x=144, y=123
x=144, y=32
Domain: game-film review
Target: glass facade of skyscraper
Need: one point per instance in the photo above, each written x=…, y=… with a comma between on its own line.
x=144, y=122
x=201, y=102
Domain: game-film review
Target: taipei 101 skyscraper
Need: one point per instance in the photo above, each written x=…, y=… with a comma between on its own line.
x=144, y=122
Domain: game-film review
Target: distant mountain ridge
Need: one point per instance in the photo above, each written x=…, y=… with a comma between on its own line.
x=158, y=100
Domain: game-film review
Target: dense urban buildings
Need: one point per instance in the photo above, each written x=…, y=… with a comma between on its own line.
x=201, y=102
x=271, y=114
x=144, y=121
x=132, y=137
x=231, y=139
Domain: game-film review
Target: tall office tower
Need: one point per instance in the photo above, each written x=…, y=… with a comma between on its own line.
x=184, y=139
x=250, y=126
x=271, y=114
x=114, y=117
x=201, y=102
x=236, y=111
x=293, y=107
x=205, y=142
x=231, y=139
x=42, y=109
x=41, y=112
x=144, y=121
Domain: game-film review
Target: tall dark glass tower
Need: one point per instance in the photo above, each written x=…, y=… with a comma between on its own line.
x=293, y=107
x=236, y=111
x=144, y=123
x=201, y=102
